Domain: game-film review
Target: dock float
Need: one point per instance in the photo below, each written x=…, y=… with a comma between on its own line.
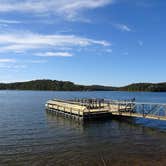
x=91, y=108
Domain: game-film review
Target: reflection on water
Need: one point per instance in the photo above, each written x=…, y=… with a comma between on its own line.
x=30, y=136
x=55, y=120
x=114, y=141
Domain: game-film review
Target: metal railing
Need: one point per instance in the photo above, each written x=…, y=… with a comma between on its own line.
x=157, y=109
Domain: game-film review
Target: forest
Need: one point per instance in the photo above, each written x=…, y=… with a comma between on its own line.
x=70, y=86
x=52, y=85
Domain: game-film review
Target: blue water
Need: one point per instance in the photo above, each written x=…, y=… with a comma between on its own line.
x=30, y=136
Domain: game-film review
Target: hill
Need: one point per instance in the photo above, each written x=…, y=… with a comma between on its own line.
x=145, y=87
x=70, y=86
x=51, y=85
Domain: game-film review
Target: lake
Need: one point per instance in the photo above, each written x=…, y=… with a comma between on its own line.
x=30, y=136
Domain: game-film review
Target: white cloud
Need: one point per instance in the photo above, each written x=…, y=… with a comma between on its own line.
x=67, y=8
x=123, y=27
x=53, y=54
x=125, y=53
x=6, y=66
x=3, y=21
x=10, y=64
x=3, y=26
x=26, y=41
x=109, y=50
x=140, y=43
x=36, y=61
x=7, y=60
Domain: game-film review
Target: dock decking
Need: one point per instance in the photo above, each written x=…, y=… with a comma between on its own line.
x=90, y=108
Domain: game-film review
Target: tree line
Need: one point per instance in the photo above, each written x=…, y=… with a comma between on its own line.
x=51, y=85
x=70, y=86
x=145, y=87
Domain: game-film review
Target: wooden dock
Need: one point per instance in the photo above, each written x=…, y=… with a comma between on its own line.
x=92, y=108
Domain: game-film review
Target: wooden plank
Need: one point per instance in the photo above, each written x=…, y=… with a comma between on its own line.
x=81, y=109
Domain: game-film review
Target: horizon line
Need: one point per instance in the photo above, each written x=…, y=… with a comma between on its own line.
x=83, y=83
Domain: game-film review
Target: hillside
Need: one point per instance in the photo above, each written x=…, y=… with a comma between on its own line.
x=148, y=87
x=70, y=86
x=51, y=85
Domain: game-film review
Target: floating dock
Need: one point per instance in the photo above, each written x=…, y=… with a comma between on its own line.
x=92, y=108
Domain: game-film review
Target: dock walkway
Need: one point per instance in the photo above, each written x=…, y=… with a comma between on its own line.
x=91, y=108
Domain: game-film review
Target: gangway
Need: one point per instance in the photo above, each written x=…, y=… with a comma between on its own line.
x=90, y=108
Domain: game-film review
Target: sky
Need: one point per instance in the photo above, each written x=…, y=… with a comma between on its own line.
x=107, y=42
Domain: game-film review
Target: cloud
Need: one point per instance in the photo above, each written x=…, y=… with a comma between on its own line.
x=125, y=53
x=27, y=41
x=7, y=60
x=69, y=9
x=10, y=64
x=3, y=21
x=140, y=43
x=53, y=54
x=123, y=27
x=109, y=50
x=6, y=66
x=36, y=61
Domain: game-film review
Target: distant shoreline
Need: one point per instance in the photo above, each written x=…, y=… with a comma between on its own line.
x=54, y=85
x=81, y=91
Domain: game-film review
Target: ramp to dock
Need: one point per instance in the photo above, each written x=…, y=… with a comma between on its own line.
x=89, y=108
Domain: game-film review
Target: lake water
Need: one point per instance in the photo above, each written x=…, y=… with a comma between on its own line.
x=30, y=136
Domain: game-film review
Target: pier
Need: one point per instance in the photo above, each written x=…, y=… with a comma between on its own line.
x=97, y=108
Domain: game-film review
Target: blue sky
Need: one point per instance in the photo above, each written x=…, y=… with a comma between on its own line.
x=108, y=42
